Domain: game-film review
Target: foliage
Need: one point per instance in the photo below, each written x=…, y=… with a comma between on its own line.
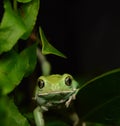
x=15, y=64
x=97, y=100
x=47, y=48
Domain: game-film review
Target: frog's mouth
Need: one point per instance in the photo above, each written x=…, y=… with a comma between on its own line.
x=56, y=93
x=56, y=96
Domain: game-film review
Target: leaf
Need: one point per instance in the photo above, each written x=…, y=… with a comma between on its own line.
x=29, y=12
x=30, y=55
x=9, y=114
x=3, y=103
x=98, y=100
x=11, y=28
x=13, y=67
x=47, y=48
x=24, y=1
x=14, y=117
x=56, y=123
x=95, y=124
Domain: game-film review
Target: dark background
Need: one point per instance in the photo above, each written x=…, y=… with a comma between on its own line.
x=87, y=32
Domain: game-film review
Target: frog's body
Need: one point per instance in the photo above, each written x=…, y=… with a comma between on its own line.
x=54, y=90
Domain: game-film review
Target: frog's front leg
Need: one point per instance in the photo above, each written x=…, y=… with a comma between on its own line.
x=38, y=116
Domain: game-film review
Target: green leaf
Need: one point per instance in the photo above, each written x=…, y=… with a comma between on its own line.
x=9, y=114
x=47, y=48
x=11, y=28
x=29, y=55
x=98, y=100
x=95, y=124
x=13, y=67
x=24, y=1
x=14, y=117
x=3, y=103
x=29, y=12
x=56, y=123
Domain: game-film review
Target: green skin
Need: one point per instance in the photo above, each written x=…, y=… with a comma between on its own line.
x=52, y=91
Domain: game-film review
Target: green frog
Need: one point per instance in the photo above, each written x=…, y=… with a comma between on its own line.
x=53, y=91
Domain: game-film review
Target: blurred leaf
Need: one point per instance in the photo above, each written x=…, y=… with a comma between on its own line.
x=11, y=28
x=24, y=1
x=30, y=55
x=98, y=100
x=47, y=48
x=95, y=124
x=13, y=67
x=3, y=103
x=14, y=117
x=56, y=123
x=29, y=12
x=9, y=114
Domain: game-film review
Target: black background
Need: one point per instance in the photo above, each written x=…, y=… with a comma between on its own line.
x=88, y=32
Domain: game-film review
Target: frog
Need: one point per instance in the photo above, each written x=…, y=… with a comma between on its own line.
x=53, y=91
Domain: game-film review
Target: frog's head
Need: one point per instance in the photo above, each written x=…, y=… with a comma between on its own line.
x=55, y=89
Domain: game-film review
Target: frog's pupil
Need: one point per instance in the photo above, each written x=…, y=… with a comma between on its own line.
x=68, y=81
x=41, y=83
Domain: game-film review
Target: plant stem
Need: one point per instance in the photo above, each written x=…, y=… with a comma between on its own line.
x=45, y=65
x=15, y=5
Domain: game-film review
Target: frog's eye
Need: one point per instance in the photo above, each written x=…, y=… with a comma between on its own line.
x=68, y=81
x=40, y=83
